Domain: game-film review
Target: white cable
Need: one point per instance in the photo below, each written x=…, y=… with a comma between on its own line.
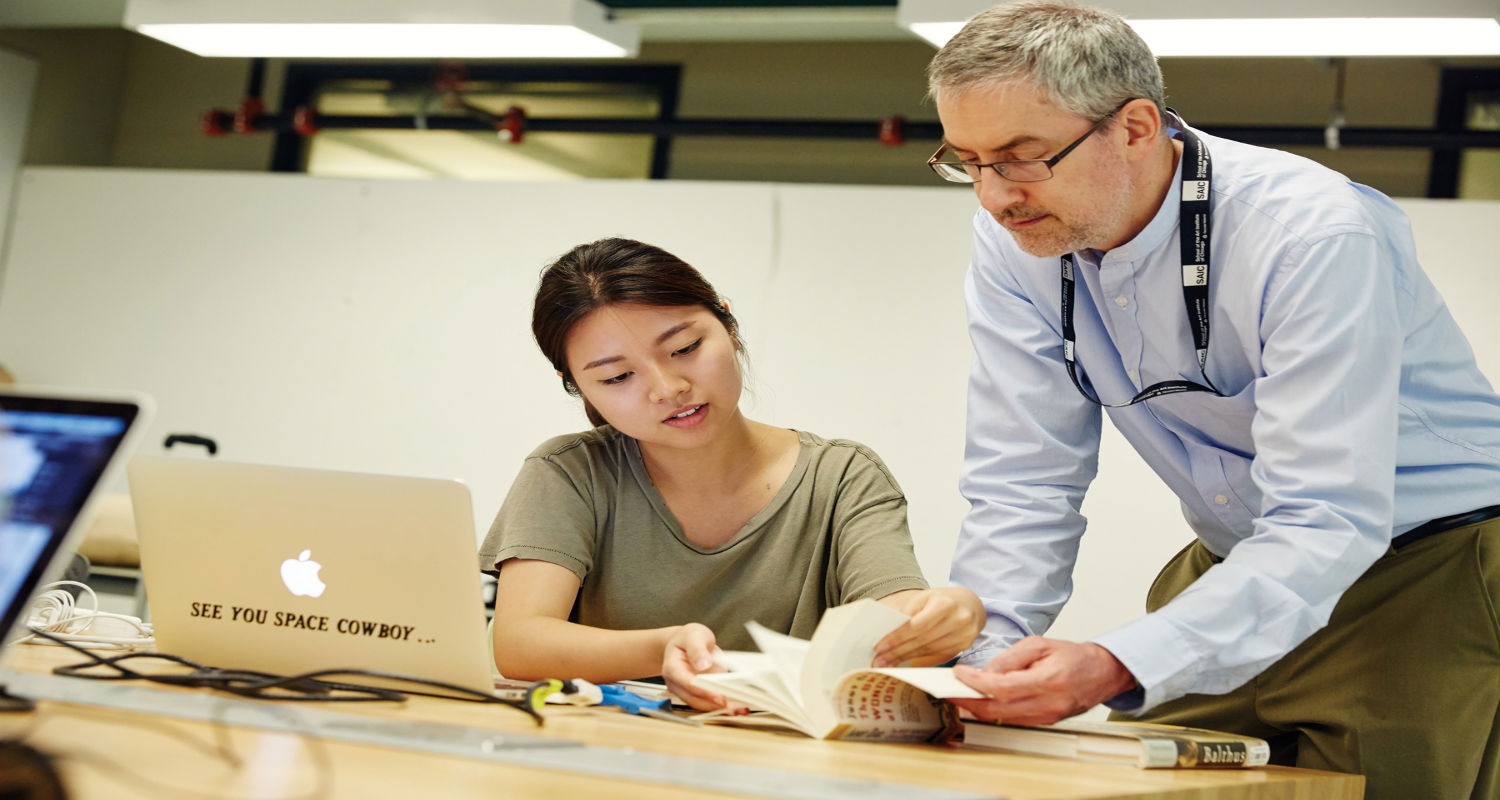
x=55, y=611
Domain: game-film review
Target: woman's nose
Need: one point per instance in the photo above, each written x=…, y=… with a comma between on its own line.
x=667, y=384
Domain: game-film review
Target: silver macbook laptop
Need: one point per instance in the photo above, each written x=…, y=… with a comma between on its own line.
x=289, y=570
x=57, y=449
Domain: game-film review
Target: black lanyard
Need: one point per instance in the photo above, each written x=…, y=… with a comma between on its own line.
x=1193, y=232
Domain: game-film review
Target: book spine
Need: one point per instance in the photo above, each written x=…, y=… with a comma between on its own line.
x=1165, y=753
x=1160, y=754
x=953, y=725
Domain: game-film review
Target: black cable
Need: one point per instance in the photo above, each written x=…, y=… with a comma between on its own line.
x=266, y=686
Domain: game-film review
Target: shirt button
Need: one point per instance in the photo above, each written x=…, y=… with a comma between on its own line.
x=1221, y=500
x=1121, y=301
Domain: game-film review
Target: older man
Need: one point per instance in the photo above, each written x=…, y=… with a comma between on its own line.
x=1261, y=332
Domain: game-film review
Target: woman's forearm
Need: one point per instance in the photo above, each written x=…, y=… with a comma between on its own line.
x=536, y=647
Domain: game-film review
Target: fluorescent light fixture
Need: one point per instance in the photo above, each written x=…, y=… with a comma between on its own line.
x=1269, y=27
x=1418, y=36
x=385, y=28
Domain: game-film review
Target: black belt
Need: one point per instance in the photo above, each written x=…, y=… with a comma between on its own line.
x=1441, y=524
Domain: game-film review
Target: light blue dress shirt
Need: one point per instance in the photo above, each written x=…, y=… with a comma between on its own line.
x=1353, y=410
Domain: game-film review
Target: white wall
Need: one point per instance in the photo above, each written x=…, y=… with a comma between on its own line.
x=383, y=326
x=17, y=83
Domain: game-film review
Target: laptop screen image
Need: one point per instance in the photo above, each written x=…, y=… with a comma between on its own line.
x=290, y=570
x=56, y=452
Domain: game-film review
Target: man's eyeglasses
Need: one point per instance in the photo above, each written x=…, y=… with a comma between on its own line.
x=1029, y=171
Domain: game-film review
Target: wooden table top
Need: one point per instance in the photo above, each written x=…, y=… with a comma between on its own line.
x=104, y=752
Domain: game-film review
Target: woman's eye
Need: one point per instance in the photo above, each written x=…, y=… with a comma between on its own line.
x=616, y=379
x=690, y=348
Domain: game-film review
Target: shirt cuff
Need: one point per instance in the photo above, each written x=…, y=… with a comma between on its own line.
x=998, y=635
x=1157, y=654
x=978, y=658
x=1128, y=702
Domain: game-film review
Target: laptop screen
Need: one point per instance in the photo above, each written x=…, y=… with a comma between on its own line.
x=54, y=451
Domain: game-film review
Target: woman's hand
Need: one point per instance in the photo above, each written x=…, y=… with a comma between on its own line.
x=943, y=622
x=688, y=653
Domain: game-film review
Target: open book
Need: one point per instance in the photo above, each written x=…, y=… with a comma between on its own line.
x=826, y=688
x=1138, y=744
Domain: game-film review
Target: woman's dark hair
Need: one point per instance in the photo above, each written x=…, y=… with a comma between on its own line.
x=607, y=272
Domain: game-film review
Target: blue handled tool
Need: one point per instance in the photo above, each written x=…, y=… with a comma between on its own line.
x=630, y=702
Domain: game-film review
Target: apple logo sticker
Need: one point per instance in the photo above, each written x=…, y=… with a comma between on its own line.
x=301, y=576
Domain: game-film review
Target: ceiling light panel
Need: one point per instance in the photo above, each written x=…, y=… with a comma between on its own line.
x=1270, y=27
x=385, y=28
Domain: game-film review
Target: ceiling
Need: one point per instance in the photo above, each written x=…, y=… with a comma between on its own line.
x=866, y=67
x=553, y=156
x=659, y=20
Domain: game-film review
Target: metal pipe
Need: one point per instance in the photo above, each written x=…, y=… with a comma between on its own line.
x=1269, y=135
x=256, y=81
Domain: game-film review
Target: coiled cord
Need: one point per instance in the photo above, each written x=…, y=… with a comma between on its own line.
x=56, y=611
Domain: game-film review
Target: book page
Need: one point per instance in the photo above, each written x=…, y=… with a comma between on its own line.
x=936, y=681
x=760, y=691
x=844, y=641
x=873, y=706
x=753, y=679
x=756, y=719
x=784, y=654
x=744, y=661
x=798, y=680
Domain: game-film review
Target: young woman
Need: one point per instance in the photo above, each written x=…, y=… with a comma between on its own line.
x=636, y=548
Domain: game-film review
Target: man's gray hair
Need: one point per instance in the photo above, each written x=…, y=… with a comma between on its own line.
x=1085, y=60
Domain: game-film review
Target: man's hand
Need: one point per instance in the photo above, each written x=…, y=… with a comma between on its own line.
x=689, y=652
x=943, y=622
x=1040, y=681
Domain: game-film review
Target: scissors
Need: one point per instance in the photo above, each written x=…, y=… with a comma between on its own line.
x=630, y=702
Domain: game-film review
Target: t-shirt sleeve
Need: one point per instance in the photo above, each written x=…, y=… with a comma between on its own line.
x=548, y=515
x=872, y=541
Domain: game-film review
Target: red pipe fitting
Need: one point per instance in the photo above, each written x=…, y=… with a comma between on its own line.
x=244, y=117
x=892, y=131
x=305, y=121
x=512, y=127
x=215, y=121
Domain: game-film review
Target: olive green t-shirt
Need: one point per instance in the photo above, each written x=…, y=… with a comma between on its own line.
x=836, y=532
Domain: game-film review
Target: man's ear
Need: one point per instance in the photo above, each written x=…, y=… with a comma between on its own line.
x=1142, y=123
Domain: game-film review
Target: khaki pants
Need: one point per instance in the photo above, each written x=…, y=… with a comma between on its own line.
x=1402, y=686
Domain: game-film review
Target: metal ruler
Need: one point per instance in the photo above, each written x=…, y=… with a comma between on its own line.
x=464, y=741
